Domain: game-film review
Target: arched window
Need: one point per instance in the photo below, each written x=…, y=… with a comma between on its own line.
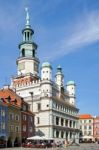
x=57, y=134
x=23, y=52
x=28, y=35
x=33, y=53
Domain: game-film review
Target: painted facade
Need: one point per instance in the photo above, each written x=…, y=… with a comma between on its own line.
x=14, y=116
x=14, y=123
x=27, y=122
x=86, y=126
x=3, y=122
x=54, y=105
x=96, y=128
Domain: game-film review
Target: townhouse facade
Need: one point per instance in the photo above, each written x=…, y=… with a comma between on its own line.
x=15, y=111
x=86, y=124
x=96, y=128
x=27, y=122
x=3, y=122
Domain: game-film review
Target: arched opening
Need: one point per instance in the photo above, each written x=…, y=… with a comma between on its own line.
x=17, y=142
x=23, y=52
x=28, y=35
x=33, y=53
x=9, y=142
x=24, y=140
x=66, y=135
x=62, y=134
x=2, y=141
x=57, y=134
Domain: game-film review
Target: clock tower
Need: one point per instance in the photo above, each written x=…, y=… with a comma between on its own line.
x=27, y=63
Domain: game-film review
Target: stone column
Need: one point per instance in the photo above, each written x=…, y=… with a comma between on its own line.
x=54, y=133
x=68, y=123
x=59, y=133
x=64, y=123
x=59, y=121
x=64, y=135
x=68, y=135
x=54, y=120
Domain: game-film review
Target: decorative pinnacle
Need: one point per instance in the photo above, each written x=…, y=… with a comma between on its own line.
x=27, y=17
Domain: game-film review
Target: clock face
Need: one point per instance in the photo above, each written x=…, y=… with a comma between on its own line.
x=21, y=66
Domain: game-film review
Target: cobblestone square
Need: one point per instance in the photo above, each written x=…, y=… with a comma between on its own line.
x=81, y=147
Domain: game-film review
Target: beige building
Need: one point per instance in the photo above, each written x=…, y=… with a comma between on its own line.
x=54, y=104
x=86, y=126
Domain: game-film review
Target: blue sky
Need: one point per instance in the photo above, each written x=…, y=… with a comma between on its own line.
x=67, y=33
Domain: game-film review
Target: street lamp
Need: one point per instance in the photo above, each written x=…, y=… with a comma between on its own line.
x=31, y=93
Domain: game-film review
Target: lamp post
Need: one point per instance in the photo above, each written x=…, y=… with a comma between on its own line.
x=31, y=93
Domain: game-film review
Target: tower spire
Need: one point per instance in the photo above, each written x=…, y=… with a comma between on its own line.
x=27, y=17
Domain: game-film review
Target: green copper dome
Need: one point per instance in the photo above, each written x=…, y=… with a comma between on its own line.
x=59, y=69
x=70, y=83
x=46, y=64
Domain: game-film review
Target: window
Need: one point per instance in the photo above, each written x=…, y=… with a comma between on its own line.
x=17, y=117
x=66, y=122
x=24, y=107
x=23, y=52
x=84, y=121
x=57, y=120
x=38, y=120
x=2, y=125
x=57, y=134
x=2, y=112
x=97, y=132
x=89, y=133
x=24, y=117
x=74, y=124
x=80, y=127
x=70, y=123
x=12, y=128
x=11, y=116
x=85, y=127
x=89, y=121
x=62, y=134
x=39, y=106
x=17, y=129
x=30, y=129
x=24, y=128
x=62, y=122
x=90, y=127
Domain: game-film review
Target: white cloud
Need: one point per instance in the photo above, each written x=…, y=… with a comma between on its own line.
x=84, y=32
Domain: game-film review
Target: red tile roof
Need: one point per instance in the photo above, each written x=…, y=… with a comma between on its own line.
x=85, y=116
x=6, y=93
x=15, y=100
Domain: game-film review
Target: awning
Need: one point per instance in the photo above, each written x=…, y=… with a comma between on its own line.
x=39, y=138
x=35, y=138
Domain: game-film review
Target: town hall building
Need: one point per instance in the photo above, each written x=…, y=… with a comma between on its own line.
x=53, y=103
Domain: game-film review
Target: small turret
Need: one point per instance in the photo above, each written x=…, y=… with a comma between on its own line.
x=46, y=71
x=59, y=77
x=71, y=89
